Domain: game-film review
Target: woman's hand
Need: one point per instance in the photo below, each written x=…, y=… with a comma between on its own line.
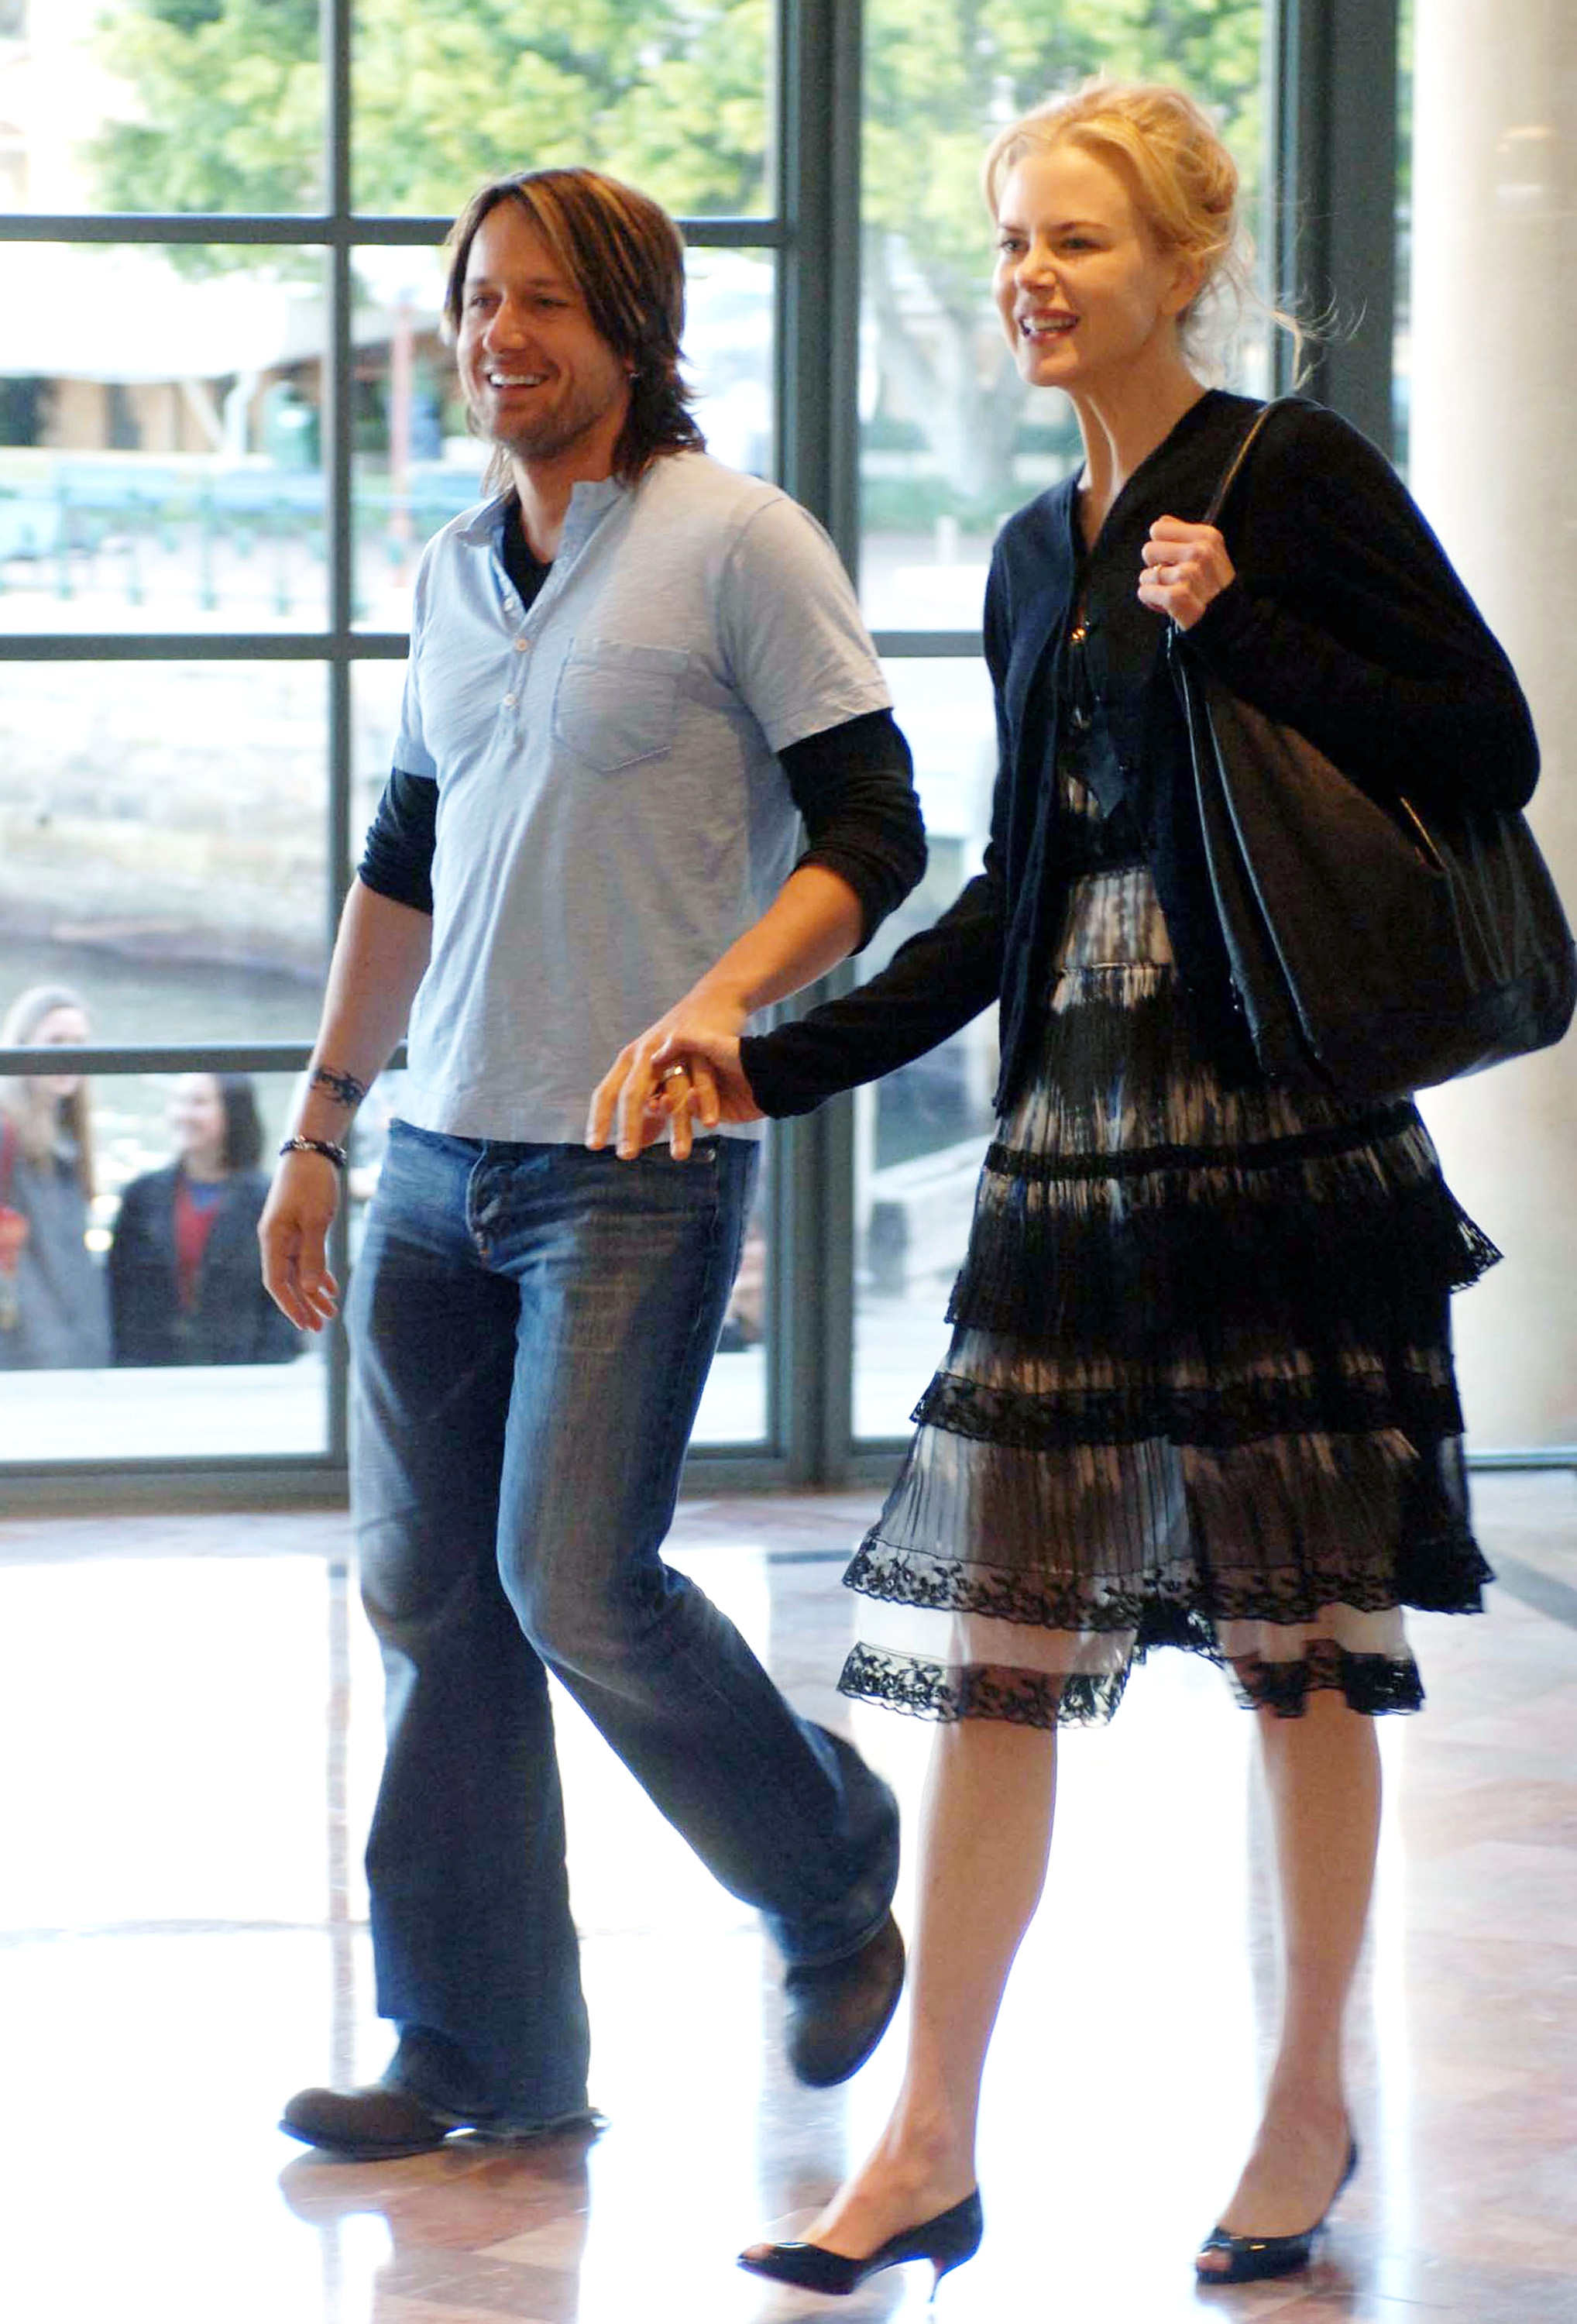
x=682, y=1071
x=718, y=1055
x=1186, y=565
x=293, y=1235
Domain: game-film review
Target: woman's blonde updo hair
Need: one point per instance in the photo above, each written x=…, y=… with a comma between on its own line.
x=1170, y=154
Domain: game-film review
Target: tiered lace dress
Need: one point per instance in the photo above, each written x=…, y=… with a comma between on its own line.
x=1200, y=1389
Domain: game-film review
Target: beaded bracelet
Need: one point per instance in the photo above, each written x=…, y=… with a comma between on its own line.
x=330, y=1152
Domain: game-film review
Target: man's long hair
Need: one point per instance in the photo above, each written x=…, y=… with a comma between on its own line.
x=626, y=257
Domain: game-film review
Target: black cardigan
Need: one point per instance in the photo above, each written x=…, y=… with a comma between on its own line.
x=1345, y=620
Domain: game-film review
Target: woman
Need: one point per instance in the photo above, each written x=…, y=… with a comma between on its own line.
x=52, y=1314
x=1200, y=1389
x=183, y=1282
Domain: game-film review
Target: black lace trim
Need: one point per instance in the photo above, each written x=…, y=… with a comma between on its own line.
x=1216, y=1414
x=1372, y=1686
x=1250, y=1154
x=1444, y=1574
x=947, y=1693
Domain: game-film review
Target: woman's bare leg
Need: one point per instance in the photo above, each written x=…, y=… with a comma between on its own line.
x=985, y=1830
x=1322, y=1774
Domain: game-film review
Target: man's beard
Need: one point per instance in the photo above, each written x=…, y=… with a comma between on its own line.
x=552, y=435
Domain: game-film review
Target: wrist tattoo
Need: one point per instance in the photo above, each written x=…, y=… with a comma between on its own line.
x=343, y=1088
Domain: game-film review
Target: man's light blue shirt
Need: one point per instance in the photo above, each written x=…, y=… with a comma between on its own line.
x=610, y=812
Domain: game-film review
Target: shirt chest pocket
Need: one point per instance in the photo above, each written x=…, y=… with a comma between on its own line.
x=616, y=706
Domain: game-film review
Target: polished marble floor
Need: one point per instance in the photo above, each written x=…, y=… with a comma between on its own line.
x=189, y=1720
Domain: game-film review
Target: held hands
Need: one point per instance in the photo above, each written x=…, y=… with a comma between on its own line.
x=682, y=1071
x=1186, y=565
x=293, y=1233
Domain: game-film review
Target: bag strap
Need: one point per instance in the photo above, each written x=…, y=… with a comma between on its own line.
x=7, y=1154
x=1218, y=500
x=1235, y=465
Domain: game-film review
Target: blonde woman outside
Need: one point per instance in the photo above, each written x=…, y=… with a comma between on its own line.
x=53, y=1312
x=1200, y=1389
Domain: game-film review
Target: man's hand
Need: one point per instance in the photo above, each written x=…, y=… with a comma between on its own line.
x=293, y=1233
x=682, y=1071
x=1186, y=565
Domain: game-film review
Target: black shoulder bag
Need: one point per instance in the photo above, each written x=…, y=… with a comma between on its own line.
x=1376, y=947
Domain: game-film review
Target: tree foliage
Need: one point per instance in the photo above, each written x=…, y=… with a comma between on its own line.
x=230, y=104
x=672, y=95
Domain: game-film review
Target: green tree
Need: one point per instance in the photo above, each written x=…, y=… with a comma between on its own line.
x=670, y=94
x=230, y=100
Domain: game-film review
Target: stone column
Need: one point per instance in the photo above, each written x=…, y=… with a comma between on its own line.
x=1493, y=461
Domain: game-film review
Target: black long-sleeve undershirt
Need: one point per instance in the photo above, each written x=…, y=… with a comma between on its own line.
x=852, y=784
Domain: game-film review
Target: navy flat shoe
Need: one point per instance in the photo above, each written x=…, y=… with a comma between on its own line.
x=1250, y=2259
x=947, y=2241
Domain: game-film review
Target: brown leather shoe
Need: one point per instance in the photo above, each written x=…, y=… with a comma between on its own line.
x=364, y=2126
x=839, y=2012
x=377, y=2124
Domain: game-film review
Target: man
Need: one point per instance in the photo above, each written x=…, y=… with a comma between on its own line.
x=631, y=673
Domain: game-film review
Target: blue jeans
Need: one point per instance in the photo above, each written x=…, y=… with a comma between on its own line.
x=532, y=1328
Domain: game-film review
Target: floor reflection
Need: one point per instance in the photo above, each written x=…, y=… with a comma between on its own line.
x=189, y=1716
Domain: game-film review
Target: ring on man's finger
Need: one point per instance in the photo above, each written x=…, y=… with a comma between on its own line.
x=672, y=1073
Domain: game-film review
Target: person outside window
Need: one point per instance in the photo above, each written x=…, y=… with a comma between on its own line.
x=54, y=1315
x=183, y=1281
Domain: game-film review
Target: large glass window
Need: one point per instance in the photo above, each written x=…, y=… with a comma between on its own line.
x=164, y=843
x=228, y=426
x=161, y=423
x=223, y=445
